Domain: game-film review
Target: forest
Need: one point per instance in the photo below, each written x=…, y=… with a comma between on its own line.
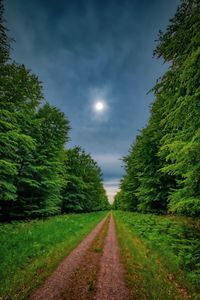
x=39, y=176
x=60, y=238
x=162, y=168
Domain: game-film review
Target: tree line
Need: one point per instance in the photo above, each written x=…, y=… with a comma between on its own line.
x=162, y=168
x=38, y=176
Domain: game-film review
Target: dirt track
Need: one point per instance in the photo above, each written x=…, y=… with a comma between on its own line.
x=110, y=284
x=91, y=271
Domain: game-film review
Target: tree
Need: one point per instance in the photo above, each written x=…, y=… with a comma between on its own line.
x=180, y=145
x=42, y=175
x=163, y=166
x=37, y=176
x=4, y=40
x=20, y=95
x=84, y=189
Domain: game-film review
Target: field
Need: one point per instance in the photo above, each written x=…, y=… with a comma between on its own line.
x=30, y=251
x=161, y=255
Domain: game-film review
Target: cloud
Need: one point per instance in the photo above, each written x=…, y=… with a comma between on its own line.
x=82, y=50
x=110, y=164
x=111, y=187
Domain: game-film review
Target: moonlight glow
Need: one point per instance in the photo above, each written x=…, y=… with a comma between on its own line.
x=99, y=106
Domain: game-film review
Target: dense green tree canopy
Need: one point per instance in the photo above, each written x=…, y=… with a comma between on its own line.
x=38, y=177
x=4, y=40
x=163, y=165
x=84, y=189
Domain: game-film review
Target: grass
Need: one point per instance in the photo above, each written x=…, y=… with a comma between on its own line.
x=161, y=255
x=30, y=251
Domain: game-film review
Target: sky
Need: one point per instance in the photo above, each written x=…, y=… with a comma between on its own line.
x=91, y=51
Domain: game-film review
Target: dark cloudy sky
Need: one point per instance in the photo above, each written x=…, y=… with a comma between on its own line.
x=88, y=50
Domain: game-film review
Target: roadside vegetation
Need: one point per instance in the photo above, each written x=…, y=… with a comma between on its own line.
x=30, y=251
x=161, y=255
x=162, y=174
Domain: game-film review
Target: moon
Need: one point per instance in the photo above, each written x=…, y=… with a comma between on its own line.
x=99, y=106
x=99, y=109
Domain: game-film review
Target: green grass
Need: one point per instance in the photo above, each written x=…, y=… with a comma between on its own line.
x=30, y=251
x=161, y=255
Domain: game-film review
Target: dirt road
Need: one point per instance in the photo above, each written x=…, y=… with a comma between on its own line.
x=110, y=283
x=91, y=271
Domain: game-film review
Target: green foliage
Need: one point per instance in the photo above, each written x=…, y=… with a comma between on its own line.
x=32, y=143
x=165, y=247
x=36, y=248
x=20, y=94
x=41, y=179
x=4, y=40
x=84, y=189
x=163, y=165
x=37, y=178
